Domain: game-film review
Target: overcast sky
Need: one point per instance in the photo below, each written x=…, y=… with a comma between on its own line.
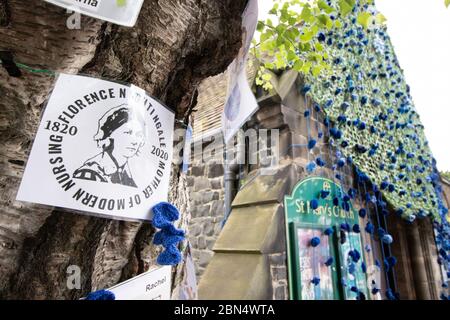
x=420, y=32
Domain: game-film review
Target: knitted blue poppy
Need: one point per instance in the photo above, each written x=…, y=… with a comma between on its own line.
x=314, y=204
x=390, y=294
x=390, y=261
x=362, y=213
x=101, y=295
x=328, y=231
x=310, y=167
x=324, y=193
x=166, y=238
x=345, y=227
x=306, y=88
x=351, y=268
x=370, y=228
x=355, y=255
x=375, y=290
x=170, y=256
x=363, y=267
x=315, y=241
x=336, y=201
x=320, y=162
x=163, y=214
x=315, y=281
x=381, y=232
x=387, y=238
x=311, y=143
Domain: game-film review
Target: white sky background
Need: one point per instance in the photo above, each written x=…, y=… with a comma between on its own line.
x=420, y=32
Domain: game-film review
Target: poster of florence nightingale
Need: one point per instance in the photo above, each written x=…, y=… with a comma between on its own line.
x=120, y=136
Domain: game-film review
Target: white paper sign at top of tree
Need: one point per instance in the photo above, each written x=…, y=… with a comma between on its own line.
x=152, y=285
x=101, y=147
x=240, y=102
x=123, y=12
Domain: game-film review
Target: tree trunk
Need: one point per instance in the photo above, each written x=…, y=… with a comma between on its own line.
x=175, y=44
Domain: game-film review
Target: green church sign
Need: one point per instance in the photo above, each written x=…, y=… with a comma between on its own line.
x=298, y=205
x=307, y=262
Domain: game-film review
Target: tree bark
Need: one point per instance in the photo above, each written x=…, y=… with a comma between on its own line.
x=175, y=44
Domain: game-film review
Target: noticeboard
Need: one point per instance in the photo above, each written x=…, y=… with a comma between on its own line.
x=305, y=262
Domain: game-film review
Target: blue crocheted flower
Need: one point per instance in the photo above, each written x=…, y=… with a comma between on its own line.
x=163, y=214
x=101, y=295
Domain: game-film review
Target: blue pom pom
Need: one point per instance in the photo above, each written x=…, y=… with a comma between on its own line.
x=355, y=255
x=362, y=213
x=354, y=289
x=320, y=162
x=381, y=232
x=101, y=295
x=315, y=281
x=315, y=242
x=391, y=188
x=307, y=113
x=163, y=214
x=329, y=261
x=310, y=167
x=390, y=262
x=170, y=256
x=336, y=201
x=375, y=290
x=314, y=204
x=345, y=227
x=356, y=228
x=324, y=193
x=306, y=88
x=387, y=238
x=370, y=228
x=311, y=143
x=328, y=231
x=363, y=267
x=321, y=37
x=390, y=295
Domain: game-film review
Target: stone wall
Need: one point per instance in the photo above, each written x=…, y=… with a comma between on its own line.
x=206, y=189
x=278, y=273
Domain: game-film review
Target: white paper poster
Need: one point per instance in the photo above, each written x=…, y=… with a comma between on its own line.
x=123, y=12
x=152, y=285
x=240, y=102
x=101, y=147
x=188, y=287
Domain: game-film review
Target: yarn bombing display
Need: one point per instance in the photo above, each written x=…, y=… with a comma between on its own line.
x=367, y=104
x=164, y=215
x=367, y=109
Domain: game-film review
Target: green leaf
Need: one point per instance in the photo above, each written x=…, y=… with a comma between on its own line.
x=324, y=6
x=316, y=70
x=306, y=13
x=447, y=3
x=326, y=21
x=266, y=76
x=306, y=36
x=364, y=19
x=260, y=26
x=345, y=7
x=298, y=65
x=380, y=18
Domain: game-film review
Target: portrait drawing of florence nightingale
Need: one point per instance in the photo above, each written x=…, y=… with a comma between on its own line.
x=120, y=136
